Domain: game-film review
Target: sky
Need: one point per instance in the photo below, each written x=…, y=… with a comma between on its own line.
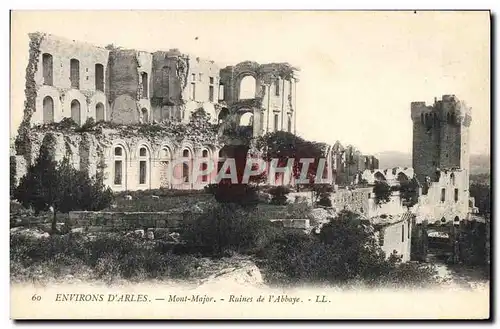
x=359, y=71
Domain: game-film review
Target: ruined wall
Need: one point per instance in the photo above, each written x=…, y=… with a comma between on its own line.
x=352, y=200
x=431, y=207
x=397, y=237
x=123, y=88
x=274, y=103
x=60, y=89
x=390, y=175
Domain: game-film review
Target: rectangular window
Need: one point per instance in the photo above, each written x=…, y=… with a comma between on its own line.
x=99, y=77
x=211, y=93
x=204, y=166
x=75, y=73
x=276, y=122
x=402, y=233
x=221, y=92
x=443, y=195
x=142, y=172
x=118, y=172
x=277, y=87
x=211, y=80
x=192, y=91
x=456, y=195
x=47, y=69
x=193, y=77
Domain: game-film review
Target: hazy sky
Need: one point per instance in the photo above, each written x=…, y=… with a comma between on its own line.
x=359, y=70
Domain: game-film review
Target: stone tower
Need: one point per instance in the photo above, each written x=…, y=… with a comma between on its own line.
x=440, y=136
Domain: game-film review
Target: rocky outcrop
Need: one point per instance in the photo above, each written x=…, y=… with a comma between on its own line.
x=244, y=274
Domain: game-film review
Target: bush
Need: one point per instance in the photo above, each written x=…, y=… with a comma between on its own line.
x=87, y=126
x=241, y=194
x=344, y=252
x=279, y=194
x=108, y=256
x=325, y=201
x=229, y=227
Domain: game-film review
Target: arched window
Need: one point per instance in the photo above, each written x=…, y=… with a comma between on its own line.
x=119, y=159
x=143, y=165
x=99, y=112
x=144, y=115
x=74, y=73
x=185, y=165
x=48, y=71
x=144, y=83
x=204, y=165
x=99, y=77
x=247, y=87
x=165, y=160
x=379, y=176
x=48, y=109
x=76, y=111
x=402, y=177
x=452, y=179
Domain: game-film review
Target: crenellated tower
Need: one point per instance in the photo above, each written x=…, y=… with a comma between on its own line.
x=440, y=136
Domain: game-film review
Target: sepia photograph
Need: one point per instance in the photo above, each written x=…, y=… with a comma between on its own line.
x=250, y=164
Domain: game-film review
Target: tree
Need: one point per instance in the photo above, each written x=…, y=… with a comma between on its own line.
x=409, y=192
x=283, y=146
x=382, y=192
x=61, y=187
x=321, y=194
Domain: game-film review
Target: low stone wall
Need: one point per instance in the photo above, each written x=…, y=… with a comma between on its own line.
x=126, y=220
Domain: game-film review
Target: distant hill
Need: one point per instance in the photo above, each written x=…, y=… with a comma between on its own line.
x=479, y=163
x=391, y=159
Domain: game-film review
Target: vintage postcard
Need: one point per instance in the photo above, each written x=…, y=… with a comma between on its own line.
x=250, y=165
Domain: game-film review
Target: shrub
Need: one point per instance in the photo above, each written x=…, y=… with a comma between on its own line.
x=241, y=194
x=325, y=201
x=108, y=256
x=228, y=227
x=344, y=252
x=87, y=126
x=279, y=194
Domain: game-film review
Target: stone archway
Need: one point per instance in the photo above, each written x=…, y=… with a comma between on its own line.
x=248, y=87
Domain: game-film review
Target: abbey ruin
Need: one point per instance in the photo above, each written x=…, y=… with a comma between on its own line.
x=133, y=113
x=147, y=105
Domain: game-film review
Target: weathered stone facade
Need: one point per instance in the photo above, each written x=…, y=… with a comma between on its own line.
x=441, y=158
x=440, y=136
x=346, y=163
